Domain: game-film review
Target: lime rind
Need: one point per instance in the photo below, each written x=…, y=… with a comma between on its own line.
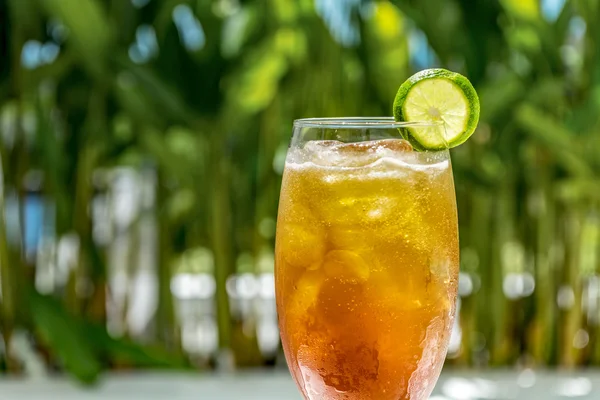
x=427, y=97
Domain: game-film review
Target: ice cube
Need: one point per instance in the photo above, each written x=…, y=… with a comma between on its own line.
x=382, y=146
x=348, y=238
x=346, y=266
x=396, y=290
x=349, y=208
x=301, y=245
x=331, y=153
x=306, y=293
x=359, y=154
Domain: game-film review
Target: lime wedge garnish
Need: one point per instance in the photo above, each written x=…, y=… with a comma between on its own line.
x=440, y=96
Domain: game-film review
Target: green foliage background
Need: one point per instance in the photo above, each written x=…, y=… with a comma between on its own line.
x=213, y=121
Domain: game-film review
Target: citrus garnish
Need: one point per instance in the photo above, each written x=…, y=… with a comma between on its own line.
x=442, y=97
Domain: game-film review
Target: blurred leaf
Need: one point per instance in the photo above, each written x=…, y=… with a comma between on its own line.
x=548, y=93
x=164, y=99
x=578, y=190
x=498, y=97
x=237, y=29
x=90, y=29
x=526, y=9
x=138, y=106
x=256, y=84
x=286, y=11
x=524, y=38
x=555, y=137
x=586, y=8
x=53, y=159
x=155, y=145
x=592, y=147
x=58, y=70
x=184, y=143
x=486, y=172
x=26, y=12
x=292, y=43
x=9, y=304
x=386, y=39
x=143, y=356
x=585, y=118
x=553, y=35
x=440, y=24
x=64, y=336
x=180, y=205
x=164, y=16
x=126, y=351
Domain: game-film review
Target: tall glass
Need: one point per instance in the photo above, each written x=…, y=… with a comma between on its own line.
x=366, y=260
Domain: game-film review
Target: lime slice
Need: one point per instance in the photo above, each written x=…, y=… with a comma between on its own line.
x=441, y=96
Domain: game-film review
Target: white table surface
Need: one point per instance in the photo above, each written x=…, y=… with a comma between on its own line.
x=267, y=385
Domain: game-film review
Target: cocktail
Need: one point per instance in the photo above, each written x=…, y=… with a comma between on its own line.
x=366, y=258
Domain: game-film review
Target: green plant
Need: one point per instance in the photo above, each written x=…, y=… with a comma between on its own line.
x=211, y=116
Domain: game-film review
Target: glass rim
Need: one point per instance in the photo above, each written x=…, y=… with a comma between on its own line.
x=360, y=123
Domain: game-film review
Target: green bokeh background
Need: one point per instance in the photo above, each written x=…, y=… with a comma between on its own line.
x=200, y=96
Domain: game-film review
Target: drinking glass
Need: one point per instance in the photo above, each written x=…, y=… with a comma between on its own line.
x=366, y=260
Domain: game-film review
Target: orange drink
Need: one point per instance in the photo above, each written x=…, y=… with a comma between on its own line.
x=366, y=263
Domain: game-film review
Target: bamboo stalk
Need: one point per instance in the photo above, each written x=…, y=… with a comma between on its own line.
x=587, y=261
x=480, y=230
x=8, y=270
x=90, y=155
x=266, y=193
x=570, y=317
x=542, y=340
x=502, y=344
x=220, y=235
x=595, y=328
x=166, y=325
x=8, y=300
x=82, y=273
x=469, y=265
